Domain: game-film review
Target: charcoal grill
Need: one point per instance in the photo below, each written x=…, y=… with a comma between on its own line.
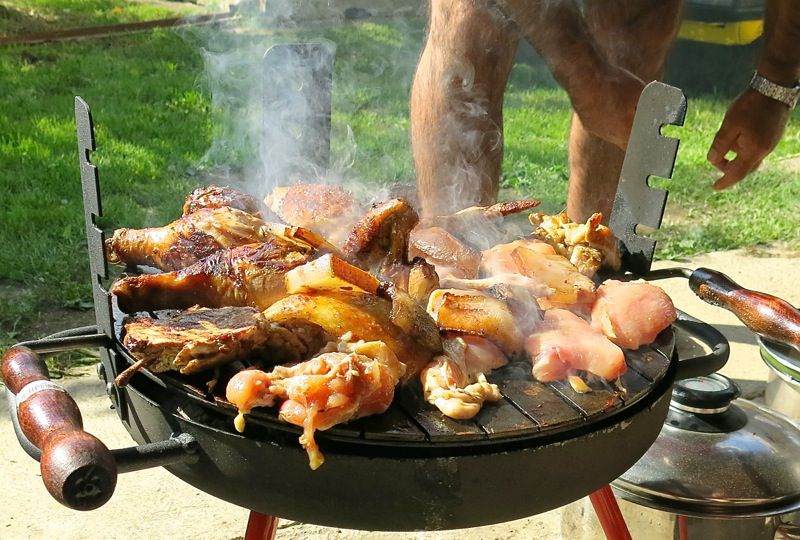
x=540, y=447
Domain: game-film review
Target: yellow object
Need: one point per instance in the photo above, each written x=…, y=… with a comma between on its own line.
x=733, y=33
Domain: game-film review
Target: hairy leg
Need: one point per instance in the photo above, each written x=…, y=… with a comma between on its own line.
x=635, y=35
x=457, y=104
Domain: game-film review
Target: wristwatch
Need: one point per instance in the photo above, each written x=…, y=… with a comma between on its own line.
x=784, y=94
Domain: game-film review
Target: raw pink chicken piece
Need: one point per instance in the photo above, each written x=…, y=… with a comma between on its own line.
x=632, y=314
x=498, y=259
x=564, y=342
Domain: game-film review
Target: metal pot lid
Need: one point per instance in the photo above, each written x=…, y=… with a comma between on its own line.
x=742, y=460
x=783, y=359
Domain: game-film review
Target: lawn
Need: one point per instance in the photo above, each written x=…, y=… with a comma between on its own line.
x=159, y=134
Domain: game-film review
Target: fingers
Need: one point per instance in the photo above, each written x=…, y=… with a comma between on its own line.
x=723, y=143
x=735, y=170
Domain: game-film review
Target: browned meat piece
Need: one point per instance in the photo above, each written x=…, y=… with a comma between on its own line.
x=379, y=240
x=475, y=214
x=251, y=275
x=450, y=256
x=194, y=340
x=471, y=312
x=186, y=240
x=365, y=317
x=325, y=209
x=218, y=197
x=422, y=281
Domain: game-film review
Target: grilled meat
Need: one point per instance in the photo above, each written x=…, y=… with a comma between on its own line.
x=332, y=388
x=194, y=340
x=564, y=342
x=471, y=312
x=251, y=275
x=326, y=209
x=455, y=382
x=587, y=245
x=422, y=281
x=617, y=301
x=477, y=214
x=187, y=240
x=219, y=197
x=498, y=259
x=364, y=317
x=379, y=241
x=448, y=254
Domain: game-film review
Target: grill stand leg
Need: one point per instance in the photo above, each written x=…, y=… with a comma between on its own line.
x=261, y=527
x=607, y=510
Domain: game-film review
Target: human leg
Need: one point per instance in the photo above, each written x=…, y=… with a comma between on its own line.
x=635, y=35
x=457, y=104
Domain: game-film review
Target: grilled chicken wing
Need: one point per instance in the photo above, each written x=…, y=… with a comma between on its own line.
x=330, y=389
x=379, y=240
x=564, y=342
x=477, y=214
x=455, y=382
x=587, y=245
x=193, y=340
x=187, y=240
x=617, y=301
x=364, y=317
x=251, y=275
x=219, y=197
x=325, y=209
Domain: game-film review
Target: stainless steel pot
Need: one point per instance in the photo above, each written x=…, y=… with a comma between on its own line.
x=783, y=380
x=721, y=468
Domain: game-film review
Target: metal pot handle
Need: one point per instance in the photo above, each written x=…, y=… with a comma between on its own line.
x=710, y=336
x=78, y=470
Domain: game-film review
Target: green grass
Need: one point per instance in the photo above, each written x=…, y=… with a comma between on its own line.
x=28, y=16
x=155, y=122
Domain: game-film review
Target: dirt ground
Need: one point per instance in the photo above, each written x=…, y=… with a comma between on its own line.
x=152, y=504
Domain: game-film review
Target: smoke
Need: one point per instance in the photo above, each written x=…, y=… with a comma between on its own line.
x=281, y=116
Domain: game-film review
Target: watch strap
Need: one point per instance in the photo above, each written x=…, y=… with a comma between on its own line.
x=787, y=95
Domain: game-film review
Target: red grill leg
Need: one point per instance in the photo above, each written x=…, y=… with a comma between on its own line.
x=607, y=510
x=261, y=527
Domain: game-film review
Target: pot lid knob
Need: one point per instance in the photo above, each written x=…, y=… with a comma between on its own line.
x=709, y=394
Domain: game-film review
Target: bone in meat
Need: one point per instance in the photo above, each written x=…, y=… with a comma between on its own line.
x=194, y=340
x=330, y=389
x=632, y=314
x=187, y=240
x=251, y=275
x=564, y=342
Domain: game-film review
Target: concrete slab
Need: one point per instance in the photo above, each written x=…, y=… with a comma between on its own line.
x=155, y=505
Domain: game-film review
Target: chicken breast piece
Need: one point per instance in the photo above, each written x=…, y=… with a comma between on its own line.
x=449, y=255
x=632, y=314
x=326, y=209
x=564, y=342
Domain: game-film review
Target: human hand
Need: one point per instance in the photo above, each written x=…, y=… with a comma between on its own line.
x=752, y=128
x=606, y=104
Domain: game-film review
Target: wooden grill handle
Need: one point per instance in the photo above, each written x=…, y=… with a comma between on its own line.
x=762, y=313
x=78, y=470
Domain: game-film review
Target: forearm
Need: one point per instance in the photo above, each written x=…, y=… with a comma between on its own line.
x=779, y=60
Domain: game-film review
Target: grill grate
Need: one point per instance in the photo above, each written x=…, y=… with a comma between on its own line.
x=529, y=409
